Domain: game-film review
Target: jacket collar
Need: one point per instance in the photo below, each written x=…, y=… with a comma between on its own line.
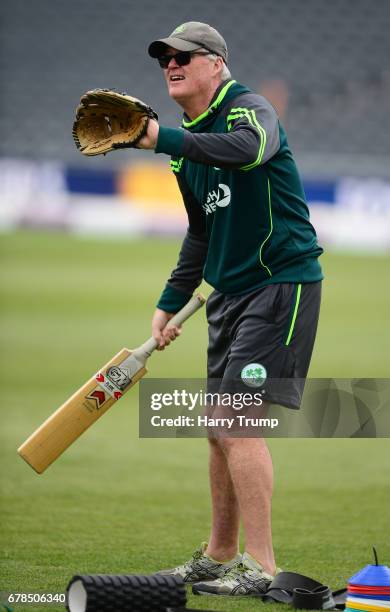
x=226, y=91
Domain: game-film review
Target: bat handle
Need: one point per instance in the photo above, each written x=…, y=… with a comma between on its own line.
x=196, y=302
x=188, y=310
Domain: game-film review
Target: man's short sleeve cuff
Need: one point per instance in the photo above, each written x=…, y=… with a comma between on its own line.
x=170, y=141
x=172, y=300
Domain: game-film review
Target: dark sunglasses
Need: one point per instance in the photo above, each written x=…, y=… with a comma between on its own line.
x=182, y=58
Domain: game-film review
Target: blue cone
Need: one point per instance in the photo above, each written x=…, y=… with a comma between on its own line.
x=372, y=575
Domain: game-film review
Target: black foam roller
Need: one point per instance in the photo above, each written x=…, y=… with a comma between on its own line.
x=105, y=593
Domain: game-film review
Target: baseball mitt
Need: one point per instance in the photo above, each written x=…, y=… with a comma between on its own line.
x=108, y=120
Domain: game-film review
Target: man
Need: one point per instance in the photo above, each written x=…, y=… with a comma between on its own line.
x=250, y=237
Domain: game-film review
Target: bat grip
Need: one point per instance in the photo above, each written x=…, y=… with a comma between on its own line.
x=196, y=302
x=188, y=310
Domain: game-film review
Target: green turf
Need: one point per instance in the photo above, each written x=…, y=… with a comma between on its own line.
x=117, y=504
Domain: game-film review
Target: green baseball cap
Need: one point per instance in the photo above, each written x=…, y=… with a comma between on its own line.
x=190, y=36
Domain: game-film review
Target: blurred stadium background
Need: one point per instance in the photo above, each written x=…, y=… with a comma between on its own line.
x=325, y=67
x=69, y=299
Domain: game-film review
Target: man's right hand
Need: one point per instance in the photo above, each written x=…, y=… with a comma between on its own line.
x=164, y=336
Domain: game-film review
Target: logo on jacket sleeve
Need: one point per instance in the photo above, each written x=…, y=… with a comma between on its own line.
x=217, y=197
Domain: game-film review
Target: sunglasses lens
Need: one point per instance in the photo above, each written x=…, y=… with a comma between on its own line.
x=182, y=59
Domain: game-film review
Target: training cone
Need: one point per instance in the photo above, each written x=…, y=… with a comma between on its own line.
x=372, y=575
x=369, y=589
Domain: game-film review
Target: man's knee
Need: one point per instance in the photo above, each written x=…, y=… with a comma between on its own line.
x=224, y=444
x=215, y=444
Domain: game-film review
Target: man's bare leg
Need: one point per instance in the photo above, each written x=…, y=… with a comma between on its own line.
x=223, y=542
x=251, y=472
x=220, y=554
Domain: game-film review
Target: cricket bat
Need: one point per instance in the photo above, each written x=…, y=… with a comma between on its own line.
x=94, y=398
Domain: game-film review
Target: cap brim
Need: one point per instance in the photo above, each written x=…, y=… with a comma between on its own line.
x=158, y=47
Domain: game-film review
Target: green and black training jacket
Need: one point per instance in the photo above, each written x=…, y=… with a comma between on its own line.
x=248, y=218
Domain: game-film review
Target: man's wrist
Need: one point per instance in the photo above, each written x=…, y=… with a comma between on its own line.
x=172, y=299
x=149, y=140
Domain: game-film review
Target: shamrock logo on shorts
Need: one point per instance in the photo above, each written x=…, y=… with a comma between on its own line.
x=254, y=374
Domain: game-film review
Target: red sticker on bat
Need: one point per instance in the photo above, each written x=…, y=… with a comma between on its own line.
x=98, y=396
x=99, y=377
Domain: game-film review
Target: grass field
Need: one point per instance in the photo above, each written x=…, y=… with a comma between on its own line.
x=115, y=503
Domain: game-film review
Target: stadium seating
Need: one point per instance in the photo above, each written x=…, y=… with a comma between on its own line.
x=333, y=57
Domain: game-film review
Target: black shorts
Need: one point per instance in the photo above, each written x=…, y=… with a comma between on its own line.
x=263, y=340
